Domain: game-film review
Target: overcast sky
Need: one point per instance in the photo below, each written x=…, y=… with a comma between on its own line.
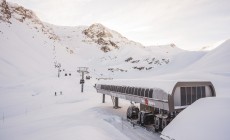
x=190, y=24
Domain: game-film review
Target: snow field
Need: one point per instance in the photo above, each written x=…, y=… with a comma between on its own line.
x=37, y=114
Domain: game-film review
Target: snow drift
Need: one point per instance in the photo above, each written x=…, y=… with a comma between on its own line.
x=206, y=119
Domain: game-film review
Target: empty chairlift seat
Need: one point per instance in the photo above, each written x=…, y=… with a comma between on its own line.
x=132, y=90
x=127, y=90
x=147, y=92
x=136, y=91
x=142, y=92
x=117, y=89
x=139, y=91
x=151, y=93
x=124, y=89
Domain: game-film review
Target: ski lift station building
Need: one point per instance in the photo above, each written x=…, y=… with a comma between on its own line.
x=168, y=96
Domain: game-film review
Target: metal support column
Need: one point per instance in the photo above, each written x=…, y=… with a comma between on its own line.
x=82, y=85
x=116, y=103
x=82, y=71
x=103, y=98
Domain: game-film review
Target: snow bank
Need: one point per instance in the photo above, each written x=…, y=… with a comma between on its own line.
x=206, y=119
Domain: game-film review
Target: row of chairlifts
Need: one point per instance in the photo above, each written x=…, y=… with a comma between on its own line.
x=66, y=74
x=144, y=92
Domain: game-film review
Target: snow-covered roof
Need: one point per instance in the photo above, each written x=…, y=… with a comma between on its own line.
x=165, y=85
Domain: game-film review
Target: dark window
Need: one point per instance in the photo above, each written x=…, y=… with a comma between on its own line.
x=147, y=93
x=193, y=94
x=139, y=92
x=183, y=96
x=198, y=93
x=189, y=95
x=212, y=90
x=151, y=93
x=203, y=91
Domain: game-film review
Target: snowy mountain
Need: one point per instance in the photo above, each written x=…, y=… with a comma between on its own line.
x=109, y=52
x=32, y=51
x=106, y=52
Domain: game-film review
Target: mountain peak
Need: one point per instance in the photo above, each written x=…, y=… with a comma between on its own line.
x=107, y=38
x=98, y=25
x=97, y=30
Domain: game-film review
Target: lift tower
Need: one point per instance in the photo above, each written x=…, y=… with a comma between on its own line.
x=82, y=71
